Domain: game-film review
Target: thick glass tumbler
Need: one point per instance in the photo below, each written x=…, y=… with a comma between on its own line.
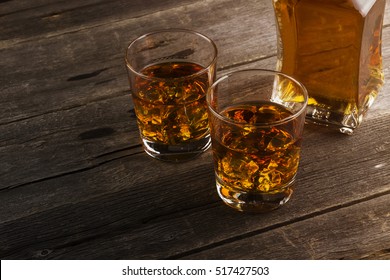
x=169, y=73
x=257, y=118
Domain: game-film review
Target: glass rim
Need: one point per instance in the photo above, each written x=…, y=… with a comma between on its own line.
x=265, y=124
x=204, y=69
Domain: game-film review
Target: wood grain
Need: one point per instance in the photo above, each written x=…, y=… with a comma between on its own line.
x=190, y=194
x=61, y=57
x=318, y=237
x=76, y=184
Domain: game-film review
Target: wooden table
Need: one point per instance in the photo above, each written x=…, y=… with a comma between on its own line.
x=76, y=184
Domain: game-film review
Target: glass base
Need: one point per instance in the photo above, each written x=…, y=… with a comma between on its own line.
x=176, y=153
x=255, y=202
x=346, y=124
x=335, y=118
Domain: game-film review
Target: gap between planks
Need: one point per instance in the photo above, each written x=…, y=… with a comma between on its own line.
x=278, y=225
x=110, y=156
x=10, y=42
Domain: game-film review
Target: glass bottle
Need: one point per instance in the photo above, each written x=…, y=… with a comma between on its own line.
x=334, y=48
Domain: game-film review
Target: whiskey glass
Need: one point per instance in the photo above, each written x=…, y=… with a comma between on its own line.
x=256, y=119
x=169, y=73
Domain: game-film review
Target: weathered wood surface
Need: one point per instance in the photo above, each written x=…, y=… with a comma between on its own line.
x=75, y=183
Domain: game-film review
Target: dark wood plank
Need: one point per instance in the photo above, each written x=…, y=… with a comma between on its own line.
x=59, y=61
x=51, y=18
x=52, y=144
x=29, y=145
x=126, y=193
x=66, y=141
x=105, y=214
x=75, y=183
x=58, y=91
x=363, y=227
x=48, y=83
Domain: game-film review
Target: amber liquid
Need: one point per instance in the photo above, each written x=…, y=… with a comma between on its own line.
x=172, y=109
x=251, y=159
x=334, y=48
